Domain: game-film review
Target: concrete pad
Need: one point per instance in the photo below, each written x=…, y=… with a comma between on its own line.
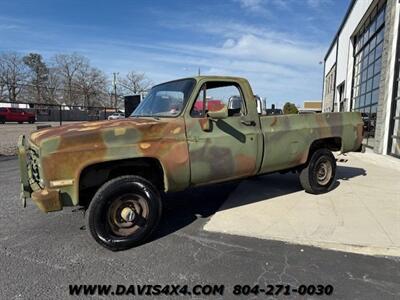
x=361, y=214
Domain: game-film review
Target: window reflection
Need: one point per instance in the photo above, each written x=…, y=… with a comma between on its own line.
x=367, y=70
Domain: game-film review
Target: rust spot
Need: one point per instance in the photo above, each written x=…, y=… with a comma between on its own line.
x=245, y=164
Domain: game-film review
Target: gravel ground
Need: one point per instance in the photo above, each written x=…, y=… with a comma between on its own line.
x=10, y=132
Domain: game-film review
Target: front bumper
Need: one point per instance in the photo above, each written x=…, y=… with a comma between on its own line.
x=46, y=199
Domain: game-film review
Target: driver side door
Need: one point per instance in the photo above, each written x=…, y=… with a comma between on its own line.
x=226, y=148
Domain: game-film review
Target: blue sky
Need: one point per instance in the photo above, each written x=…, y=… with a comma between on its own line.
x=276, y=44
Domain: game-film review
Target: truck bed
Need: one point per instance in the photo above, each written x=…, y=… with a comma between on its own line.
x=287, y=138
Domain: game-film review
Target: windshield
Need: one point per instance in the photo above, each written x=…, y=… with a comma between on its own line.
x=166, y=99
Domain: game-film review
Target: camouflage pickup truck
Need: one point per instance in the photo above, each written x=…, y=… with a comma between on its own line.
x=120, y=169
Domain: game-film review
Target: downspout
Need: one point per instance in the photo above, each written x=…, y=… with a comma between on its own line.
x=336, y=67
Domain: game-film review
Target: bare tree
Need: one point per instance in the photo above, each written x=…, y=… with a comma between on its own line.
x=13, y=74
x=2, y=84
x=39, y=73
x=135, y=83
x=66, y=79
x=69, y=65
x=2, y=79
x=91, y=83
x=53, y=88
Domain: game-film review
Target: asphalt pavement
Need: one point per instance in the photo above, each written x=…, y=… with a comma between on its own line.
x=42, y=254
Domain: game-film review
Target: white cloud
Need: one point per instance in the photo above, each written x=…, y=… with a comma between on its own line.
x=278, y=52
x=278, y=66
x=277, y=69
x=254, y=6
x=251, y=4
x=318, y=3
x=248, y=46
x=229, y=43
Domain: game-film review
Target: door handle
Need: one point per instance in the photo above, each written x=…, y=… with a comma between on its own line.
x=248, y=123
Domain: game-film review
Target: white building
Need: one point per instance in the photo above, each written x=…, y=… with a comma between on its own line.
x=361, y=71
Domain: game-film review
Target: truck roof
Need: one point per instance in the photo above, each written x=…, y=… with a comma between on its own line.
x=209, y=77
x=219, y=77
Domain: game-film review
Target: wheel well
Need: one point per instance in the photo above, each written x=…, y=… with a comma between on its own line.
x=93, y=176
x=332, y=143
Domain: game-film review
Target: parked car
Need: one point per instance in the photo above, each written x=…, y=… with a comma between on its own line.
x=116, y=116
x=16, y=115
x=120, y=170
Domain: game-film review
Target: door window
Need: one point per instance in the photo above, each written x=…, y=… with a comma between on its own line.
x=215, y=95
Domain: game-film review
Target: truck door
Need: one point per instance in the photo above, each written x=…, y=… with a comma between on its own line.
x=223, y=149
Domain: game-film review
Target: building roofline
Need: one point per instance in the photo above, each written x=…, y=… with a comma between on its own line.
x=349, y=9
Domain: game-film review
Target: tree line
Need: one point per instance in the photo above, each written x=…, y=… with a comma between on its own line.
x=67, y=79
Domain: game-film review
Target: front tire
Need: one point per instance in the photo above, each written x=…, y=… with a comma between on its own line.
x=124, y=212
x=319, y=174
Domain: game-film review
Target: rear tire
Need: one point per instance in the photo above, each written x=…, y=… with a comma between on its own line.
x=124, y=212
x=319, y=174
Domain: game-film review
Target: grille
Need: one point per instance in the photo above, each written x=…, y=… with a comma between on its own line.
x=34, y=165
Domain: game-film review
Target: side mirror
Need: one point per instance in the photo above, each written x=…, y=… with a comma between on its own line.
x=218, y=114
x=235, y=103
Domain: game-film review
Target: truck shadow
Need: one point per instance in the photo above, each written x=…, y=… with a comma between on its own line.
x=183, y=208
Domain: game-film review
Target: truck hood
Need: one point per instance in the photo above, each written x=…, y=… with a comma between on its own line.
x=100, y=134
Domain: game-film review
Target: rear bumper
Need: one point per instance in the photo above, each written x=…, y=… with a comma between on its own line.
x=46, y=199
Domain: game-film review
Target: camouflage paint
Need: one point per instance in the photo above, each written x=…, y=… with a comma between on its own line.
x=287, y=138
x=229, y=149
x=191, y=151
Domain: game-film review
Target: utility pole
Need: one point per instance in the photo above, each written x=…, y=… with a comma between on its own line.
x=198, y=72
x=115, y=89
